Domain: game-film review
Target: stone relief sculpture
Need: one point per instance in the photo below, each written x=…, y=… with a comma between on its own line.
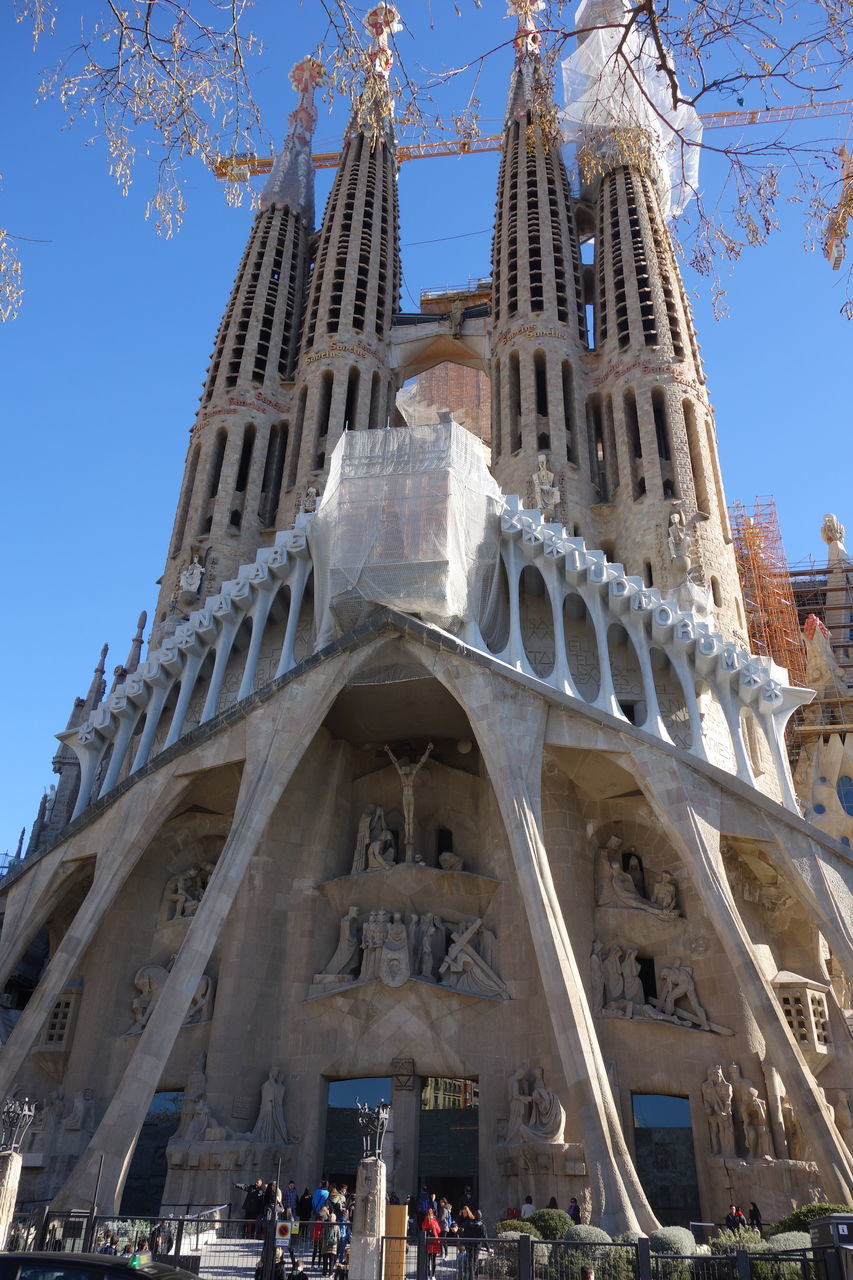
x=793, y=1132
x=311, y=500
x=843, y=1117
x=184, y=891
x=347, y=953
x=678, y=984
x=621, y=887
x=519, y=1100
x=464, y=969
x=755, y=1126
x=81, y=1118
x=717, y=1096
x=741, y=1086
x=191, y=577
x=374, y=842
x=270, y=1127
x=407, y=773
x=546, y=492
x=149, y=982
x=617, y=990
x=450, y=861
x=546, y=1119
x=459, y=955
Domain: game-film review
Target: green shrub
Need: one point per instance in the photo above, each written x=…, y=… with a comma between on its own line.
x=514, y=1227
x=799, y=1220
x=728, y=1242
x=552, y=1224
x=541, y=1252
x=629, y=1237
x=672, y=1240
x=790, y=1240
x=582, y=1234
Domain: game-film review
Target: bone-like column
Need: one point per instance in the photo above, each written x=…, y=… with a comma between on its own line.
x=121, y=843
x=276, y=740
x=690, y=817
x=510, y=728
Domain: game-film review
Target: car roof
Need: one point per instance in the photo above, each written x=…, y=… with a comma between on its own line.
x=100, y=1262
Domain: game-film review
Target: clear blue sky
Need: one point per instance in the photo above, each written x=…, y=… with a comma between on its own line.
x=103, y=369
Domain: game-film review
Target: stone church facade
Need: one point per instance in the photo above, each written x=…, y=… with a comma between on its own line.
x=439, y=770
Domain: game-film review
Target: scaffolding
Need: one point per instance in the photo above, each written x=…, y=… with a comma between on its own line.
x=771, y=613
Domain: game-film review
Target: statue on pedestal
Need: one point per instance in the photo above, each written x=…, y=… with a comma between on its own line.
x=717, y=1099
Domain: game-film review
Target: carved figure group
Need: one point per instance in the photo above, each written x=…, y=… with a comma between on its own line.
x=536, y=1115
x=198, y=1124
x=374, y=842
x=617, y=990
x=459, y=955
x=149, y=982
x=625, y=886
x=184, y=891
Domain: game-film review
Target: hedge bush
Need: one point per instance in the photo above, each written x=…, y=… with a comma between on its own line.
x=728, y=1242
x=799, y=1220
x=552, y=1224
x=783, y=1240
x=515, y=1227
x=672, y=1240
x=583, y=1234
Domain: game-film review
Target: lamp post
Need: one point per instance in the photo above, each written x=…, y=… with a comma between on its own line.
x=15, y=1118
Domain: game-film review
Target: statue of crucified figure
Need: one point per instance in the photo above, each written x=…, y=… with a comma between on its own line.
x=407, y=782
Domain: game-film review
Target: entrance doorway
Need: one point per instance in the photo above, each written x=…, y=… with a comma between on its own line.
x=666, y=1165
x=449, y=1136
x=343, y=1146
x=146, y=1178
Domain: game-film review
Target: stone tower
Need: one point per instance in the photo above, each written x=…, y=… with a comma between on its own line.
x=238, y=452
x=538, y=323
x=344, y=380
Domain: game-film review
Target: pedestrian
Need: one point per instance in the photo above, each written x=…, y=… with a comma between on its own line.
x=330, y=1237
x=552, y=1203
x=574, y=1211
x=143, y=1253
x=298, y=1272
x=527, y=1208
x=168, y=1238
x=735, y=1218
x=290, y=1199
x=341, y=1271
x=755, y=1218
x=317, y=1236
x=110, y=1246
x=432, y=1230
x=445, y=1217
x=253, y=1203
x=473, y=1231
x=156, y=1239
x=272, y=1199
x=319, y=1198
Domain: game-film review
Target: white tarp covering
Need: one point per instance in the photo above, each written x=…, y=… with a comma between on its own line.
x=612, y=84
x=409, y=518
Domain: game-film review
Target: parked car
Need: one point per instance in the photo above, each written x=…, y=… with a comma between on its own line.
x=84, y=1266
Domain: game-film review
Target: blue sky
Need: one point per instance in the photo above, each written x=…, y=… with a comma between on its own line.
x=104, y=366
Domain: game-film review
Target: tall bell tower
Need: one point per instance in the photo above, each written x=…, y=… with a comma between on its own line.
x=239, y=446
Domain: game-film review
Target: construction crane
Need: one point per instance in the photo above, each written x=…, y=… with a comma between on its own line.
x=241, y=167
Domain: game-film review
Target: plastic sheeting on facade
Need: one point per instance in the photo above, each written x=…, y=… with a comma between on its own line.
x=612, y=84
x=410, y=519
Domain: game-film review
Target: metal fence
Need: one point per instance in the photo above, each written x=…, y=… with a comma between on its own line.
x=222, y=1248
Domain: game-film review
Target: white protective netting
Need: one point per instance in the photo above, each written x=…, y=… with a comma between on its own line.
x=613, y=88
x=409, y=518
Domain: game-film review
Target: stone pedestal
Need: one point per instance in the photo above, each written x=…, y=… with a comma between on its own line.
x=10, y=1174
x=368, y=1221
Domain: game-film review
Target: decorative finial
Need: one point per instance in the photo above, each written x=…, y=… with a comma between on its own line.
x=382, y=21
x=527, y=38
x=291, y=180
x=832, y=530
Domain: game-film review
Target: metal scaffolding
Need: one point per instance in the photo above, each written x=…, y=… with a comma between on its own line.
x=771, y=613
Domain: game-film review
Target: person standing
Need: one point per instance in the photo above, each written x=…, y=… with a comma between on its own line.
x=253, y=1203
x=432, y=1230
x=574, y=1211
x=331, y=1236
x=735, y=1218
x=473, y=1233
x=527, y=1208
x=755, y=1218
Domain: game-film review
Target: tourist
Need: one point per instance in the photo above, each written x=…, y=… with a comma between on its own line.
x=253, y=1203
x=143, y=1253
x=297, y=1272
x=277, y=1267
x=473, y=1233
x=342, y=1266
x=319, y=1198
x=290, y=1199
x=574, y=1211
x=345, y=1227
x=272, y=1198
x=331, y=1235
x=317, y=1236
x=552, y=1203
x=335, y=1201
x=735, y=1218
x=127, y=1251
x=110, y=1246
x=755, y=1218
x=430, y=1226
x=445, y=1217
x=527, y=1208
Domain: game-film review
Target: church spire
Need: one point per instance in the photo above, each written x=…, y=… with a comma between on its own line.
x=238, y=448
x=344, y=380
x=291, y=180
x=538, y=321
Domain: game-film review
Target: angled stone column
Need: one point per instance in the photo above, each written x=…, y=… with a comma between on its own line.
x=689, y=811
x=121, y=843
x=510, y=727
x=277, y=737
